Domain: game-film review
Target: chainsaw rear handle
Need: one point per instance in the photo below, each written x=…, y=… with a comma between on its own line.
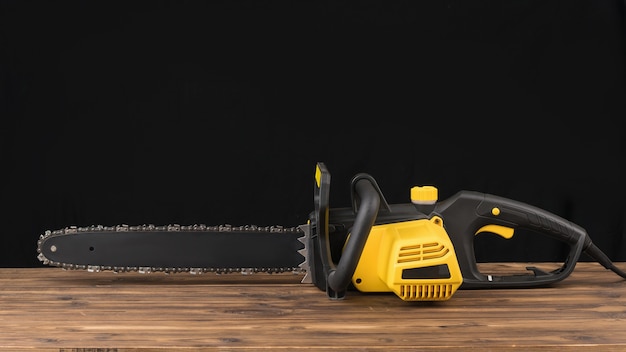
x=469, y=213
x=335, y=278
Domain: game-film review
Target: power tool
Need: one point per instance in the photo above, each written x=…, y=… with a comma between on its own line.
x=420, y=251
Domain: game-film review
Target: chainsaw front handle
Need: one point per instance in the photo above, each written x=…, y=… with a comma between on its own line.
x=335, y=278
x=366, y=189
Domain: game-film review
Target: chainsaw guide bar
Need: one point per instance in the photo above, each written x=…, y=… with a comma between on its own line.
x=195, y=249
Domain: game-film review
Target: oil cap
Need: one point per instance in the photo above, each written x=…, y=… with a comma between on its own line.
x=424, y=195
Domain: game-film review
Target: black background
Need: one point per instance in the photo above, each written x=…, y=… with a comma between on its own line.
x=216, y=111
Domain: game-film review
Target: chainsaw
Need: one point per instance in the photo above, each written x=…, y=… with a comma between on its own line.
x=421, y=251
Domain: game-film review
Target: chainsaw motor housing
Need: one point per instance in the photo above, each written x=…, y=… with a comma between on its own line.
x=423, y=250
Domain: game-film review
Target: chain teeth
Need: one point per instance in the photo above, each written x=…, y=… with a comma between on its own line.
x=301, y=269
x=304, y=266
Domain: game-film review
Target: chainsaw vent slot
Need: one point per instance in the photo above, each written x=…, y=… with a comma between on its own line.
x=426, y=292
x=422, y=251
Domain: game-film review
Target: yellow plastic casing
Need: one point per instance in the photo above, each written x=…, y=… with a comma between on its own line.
x=414, y=259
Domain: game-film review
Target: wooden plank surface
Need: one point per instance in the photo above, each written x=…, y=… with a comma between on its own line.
x=49, y=309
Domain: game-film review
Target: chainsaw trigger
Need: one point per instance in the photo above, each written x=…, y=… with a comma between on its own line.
x=502, y=231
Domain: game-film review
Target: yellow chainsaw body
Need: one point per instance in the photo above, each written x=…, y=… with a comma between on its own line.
x=414, y=259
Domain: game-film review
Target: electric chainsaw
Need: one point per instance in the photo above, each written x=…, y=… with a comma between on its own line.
x=421, y=251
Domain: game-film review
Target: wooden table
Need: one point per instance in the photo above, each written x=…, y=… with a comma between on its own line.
x=50, y=309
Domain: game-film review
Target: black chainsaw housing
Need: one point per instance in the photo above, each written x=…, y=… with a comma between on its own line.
x=338, y=235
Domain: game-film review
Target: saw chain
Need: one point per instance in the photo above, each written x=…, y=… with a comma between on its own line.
x=173, y=228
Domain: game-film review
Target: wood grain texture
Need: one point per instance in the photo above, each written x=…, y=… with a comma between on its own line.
x=49, y=309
